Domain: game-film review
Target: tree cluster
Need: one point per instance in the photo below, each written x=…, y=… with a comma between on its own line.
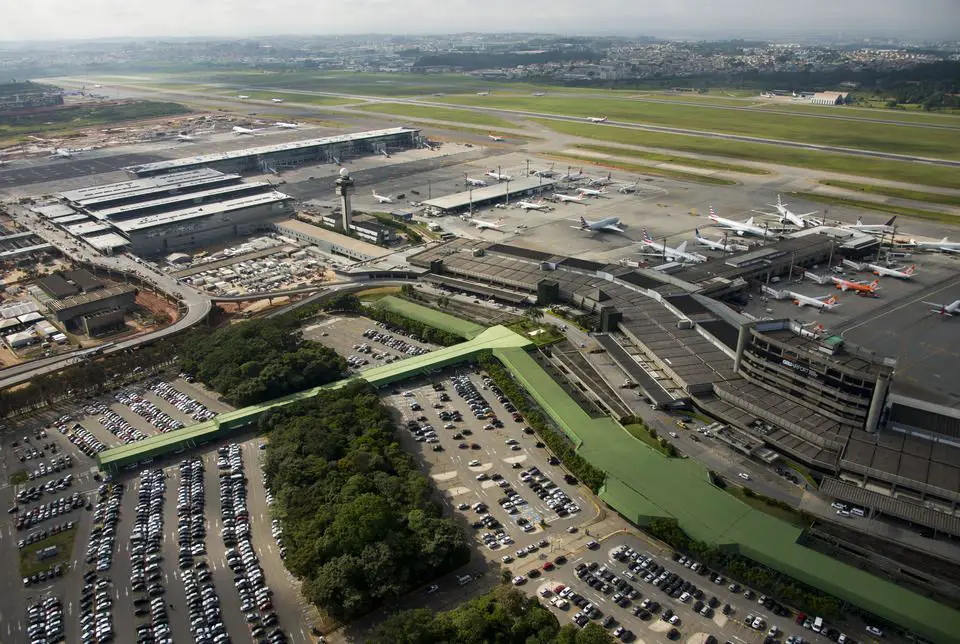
x=756, y=575
x=555, y=439
x=423, y=331
x=360, y=522
x=259, y=360
x=501, y=616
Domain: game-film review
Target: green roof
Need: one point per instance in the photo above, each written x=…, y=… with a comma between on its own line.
x=431, y=317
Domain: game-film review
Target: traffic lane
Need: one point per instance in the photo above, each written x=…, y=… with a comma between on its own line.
x=13, y=604
x=170, y=564
x=124, y=621
x=286, y=599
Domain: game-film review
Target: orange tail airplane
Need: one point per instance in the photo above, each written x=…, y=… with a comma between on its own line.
x=859, y=287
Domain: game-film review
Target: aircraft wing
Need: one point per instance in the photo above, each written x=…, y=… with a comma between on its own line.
x=614, y=228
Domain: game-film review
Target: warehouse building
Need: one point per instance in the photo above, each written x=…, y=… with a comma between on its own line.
x=67, y=310
x=271, y=158
x=329, y=241
x=489, y=195
x=365, y=227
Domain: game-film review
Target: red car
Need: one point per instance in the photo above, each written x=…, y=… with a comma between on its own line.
x=548, y=566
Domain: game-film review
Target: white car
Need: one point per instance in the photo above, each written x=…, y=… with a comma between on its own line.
x=744, y=476
x=474, y=463
x=873, y=630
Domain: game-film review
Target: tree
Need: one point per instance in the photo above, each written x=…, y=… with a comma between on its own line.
x=443, y=301
x=533, y=313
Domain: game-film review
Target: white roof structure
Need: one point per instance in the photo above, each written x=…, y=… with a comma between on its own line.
x=108, y=242
x=16, y=309
x=219, y=191
x=87, y=228
x=29, y=317
x=206, y=210
x=76, y=217
x=93, y=196
x=54, y=210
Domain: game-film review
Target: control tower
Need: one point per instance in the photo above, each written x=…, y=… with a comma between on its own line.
x=344, y=188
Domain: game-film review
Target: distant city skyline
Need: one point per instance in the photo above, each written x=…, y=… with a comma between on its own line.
x=44, y=20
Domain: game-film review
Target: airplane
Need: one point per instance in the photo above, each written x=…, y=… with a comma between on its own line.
x=483, y=93
x=277, y=100
x=872, y=228
x=381, y=198
x=483, y=225
x=629, y=188
x=719, y=245
x=883, y=271
x=784, y=215
x=860, y=287
x=677, y=254
x=546, y=174
x=945, y=309
x=493, y=174
x=532, y=205
x=186, y=138
x=61, y=153
x=243, y=97
x=942, y=245
x=597, y=119
x=539, y=93
x=606, y=225
x=567, y=198
x=478, y=183
x=598, y=182
x=570, y=176
x=498, y=139
x=741, y=228
x=245, y=130
x=828, y=302
x=287, y=126
x=592, y=193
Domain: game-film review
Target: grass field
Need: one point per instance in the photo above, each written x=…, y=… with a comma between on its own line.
x=900, y=139
x=897, y=193
x=29, y=564
x=943, y=119
x=668, y=173
x=640, y=432
x=783, y=514
x=438, y=113
x=922, y=174
x=429, y=316
x=672, y=158
x=911, y=213
x=309, y=99
x=376, y=294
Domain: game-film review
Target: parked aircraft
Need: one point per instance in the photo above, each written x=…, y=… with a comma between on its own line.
x=589, y=192
x=494, y=174
x=277, y=100
x=567, y=198
x=477, y=183
x=883, y=271
x=945, y=309
x=942, y=245
x=532, y=205
x=597, y=119
x=381, y=198
x=726, y=247
x=629, y=188
x=872, y=228
x=494, y=137
x=483, y=225
x=62, y=153
x=741, y=228
x=605, y=225
x=546, y=174
x=287, y=126
x=785, y=216
x=574, y=176
x=677, y=254
x=598, y=182
x=827, y=302
x=243, y=97
x=856, y=286
x=245, y=130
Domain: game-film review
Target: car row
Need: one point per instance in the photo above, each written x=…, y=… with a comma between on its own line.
x=196, y=410
x=394, y=343
x=45, y=621
x=40, y=535
x=104, y=531
x=43, y=575
x=96, y=610
x=256, y=598
x=85, y=441
x=34, y=492
x=548, y=491
x=146, y=409
x=52, y=466
x=145, y=573
x=51, y=510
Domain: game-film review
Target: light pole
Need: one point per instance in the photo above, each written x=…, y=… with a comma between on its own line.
x=528, y=167
x=508, y=193
x=471, y=200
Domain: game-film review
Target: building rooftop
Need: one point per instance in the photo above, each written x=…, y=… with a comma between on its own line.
x=107, y=242
x=75, y=218
x=223, y=191
x=95, y=296
x=87, y=228
x=206, y=210
x=172, y=164
x=463, y=199
x=93, y=196
x=54, y=210
x=319, y=232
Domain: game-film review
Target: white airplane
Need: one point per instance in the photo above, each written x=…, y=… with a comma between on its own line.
x=245, y=130
x=883, y=271
x=741, y=228
x=287, y=126
x=942, y=245
x=598, y=182
x=62, y=153
x=597, y=119
x=719, y=245
x=482, y=224
x=827, y=302
x=629, y=188
x=381, y=198
x=571, y=176
x=477, y=183
x=532, y=205
x=243, y=97
x=945, y=309
x=606, y=225
x=872, y=228
x=498, y=139
x=186, y=138
x=277, y=100
x=567, y=198
x=546, y=174
x=679, y=253
x=784, y=215
x=589, y=192
x=539, y=93
x=493, y=174
x=483, y=93
x=860, y=287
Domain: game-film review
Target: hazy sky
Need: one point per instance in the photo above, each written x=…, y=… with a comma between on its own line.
x=57, y=19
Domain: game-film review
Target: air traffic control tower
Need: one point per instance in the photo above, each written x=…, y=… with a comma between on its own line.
x=344, y=188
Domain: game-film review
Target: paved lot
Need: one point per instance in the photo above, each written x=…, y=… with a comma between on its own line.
x=344, y=334
x=41, y=171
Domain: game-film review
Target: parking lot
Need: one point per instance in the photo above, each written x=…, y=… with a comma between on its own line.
x=363, y=342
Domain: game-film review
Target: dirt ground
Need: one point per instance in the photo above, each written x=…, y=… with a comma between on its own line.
x=156, y=305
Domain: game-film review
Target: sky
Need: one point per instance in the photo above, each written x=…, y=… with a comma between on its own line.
x=73, y=19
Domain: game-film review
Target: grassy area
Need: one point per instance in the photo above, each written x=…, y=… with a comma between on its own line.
x=902, y=211
x=549, y=335
x=900, y=139
x=643, y=434
x=897, y=193
x=668, y=173
x=672, y=158
x=75, y=118
x=763, y=504
x=29, y=564
x=923, y=174
x=878, y=113
x=437, y=113
x=509, y=136
x=376, y=294
x=19, y=477
x=310, y=99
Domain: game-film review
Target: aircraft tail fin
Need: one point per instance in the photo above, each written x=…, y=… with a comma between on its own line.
x=583, y=223
x=682, y=248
